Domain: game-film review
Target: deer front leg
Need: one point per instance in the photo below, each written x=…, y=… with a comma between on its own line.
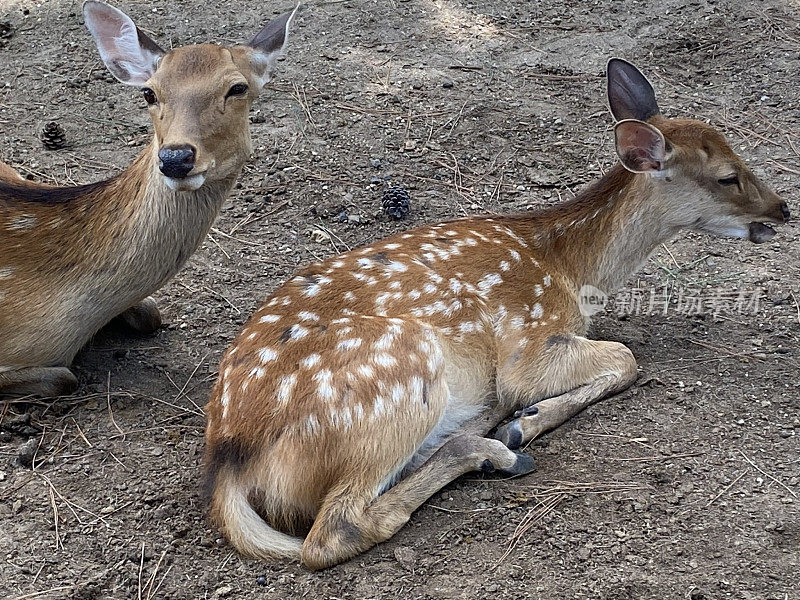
x=589, y=370
x=38, y=381
x=143, y=317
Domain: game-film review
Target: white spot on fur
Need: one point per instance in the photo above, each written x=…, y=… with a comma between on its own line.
x=384, y=342
x=269, y=318
x=285, y=386
x=350, y=344
x=397, y=392
x=515, y=255
x=538, y=290
x=537, y=311
x=397, y=267
x=393, y=246
x=384, y=360
x=489, y=281
x=547, y=280
x=304, y=315
x=344, y=331
x=429, y=288
x=366, y=371
x=349, y=296
x=504, y=266
x=378, y=406
x=414, y=294
x=257, y=372
x=310, y=361
x=267, y=355
x=313, y=288
x=324, y=387
x=6, y=272
x=297, y=332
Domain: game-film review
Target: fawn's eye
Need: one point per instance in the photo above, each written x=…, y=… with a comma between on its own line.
x=237, y=89
x=732, y=180
x=149, y=96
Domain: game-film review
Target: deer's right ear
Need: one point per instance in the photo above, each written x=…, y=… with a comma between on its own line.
x=630, y=95
x=268, y=45
x=129, y=54
x=640, y=146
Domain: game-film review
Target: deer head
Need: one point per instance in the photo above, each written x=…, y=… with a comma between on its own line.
x=198, y=96
x=707, y=186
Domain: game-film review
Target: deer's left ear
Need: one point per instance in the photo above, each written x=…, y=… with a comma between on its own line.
x=268, y=45
x=640, y=146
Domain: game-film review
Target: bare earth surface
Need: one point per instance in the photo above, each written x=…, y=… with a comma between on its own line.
x=685, y=486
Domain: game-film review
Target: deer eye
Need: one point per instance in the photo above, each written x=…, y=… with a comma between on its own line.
x=732, y=180
x=149, y=96
x=237, y=89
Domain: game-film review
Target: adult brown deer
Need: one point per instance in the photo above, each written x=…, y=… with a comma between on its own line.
x=368, y=381
x=74, y=258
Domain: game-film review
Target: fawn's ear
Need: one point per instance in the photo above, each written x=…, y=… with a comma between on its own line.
x=630, y=95
x=640, y=146
x=268, y=45
x=129, y=54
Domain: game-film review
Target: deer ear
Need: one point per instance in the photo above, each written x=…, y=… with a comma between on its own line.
x=640, y=146
x=129, y=54
x=630, y=95
x=268, y=45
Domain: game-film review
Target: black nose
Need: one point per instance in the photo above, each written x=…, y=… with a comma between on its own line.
x=176, y=161
x=785, y=211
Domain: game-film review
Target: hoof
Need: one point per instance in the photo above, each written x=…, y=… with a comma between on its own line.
x=487, y=466
x=524, y=465
x=510, y=434
x=528, y=411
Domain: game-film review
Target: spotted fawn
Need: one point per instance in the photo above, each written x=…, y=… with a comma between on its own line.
x=370, y=380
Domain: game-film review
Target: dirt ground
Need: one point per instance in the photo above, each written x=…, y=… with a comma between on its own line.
x=685, y=486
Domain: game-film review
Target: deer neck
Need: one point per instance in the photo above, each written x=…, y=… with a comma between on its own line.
x=605, y=235
x=145, y=230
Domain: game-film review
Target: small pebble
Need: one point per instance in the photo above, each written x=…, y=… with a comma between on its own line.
x=447, y=84
x=261, y=580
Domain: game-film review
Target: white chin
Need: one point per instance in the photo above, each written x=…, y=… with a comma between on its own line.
x=187, y=184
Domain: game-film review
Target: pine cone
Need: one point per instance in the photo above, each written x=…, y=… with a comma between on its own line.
x=53, y=136
x=396, y=202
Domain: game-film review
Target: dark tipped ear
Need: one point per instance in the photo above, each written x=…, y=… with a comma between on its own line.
x=630, y=95
x=129, y=54
x=640, y=146
x=268, y=45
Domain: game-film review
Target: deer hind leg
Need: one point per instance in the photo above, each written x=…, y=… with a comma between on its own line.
x=349, y=523
x=575, y=373
x=38, y=381
x=143, y=317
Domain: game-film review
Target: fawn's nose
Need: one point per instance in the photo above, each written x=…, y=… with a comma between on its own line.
x=176, y=161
